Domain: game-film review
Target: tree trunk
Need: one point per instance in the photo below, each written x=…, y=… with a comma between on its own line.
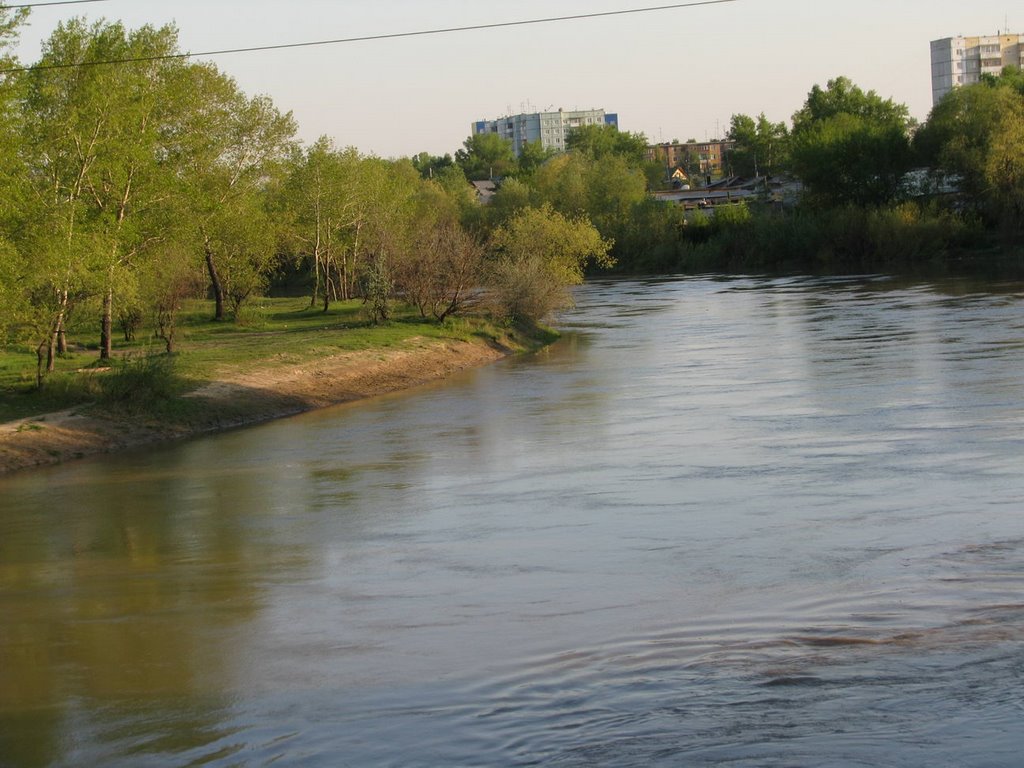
x=345, y=294
x=62, y=337
x=40, y=357
x=328, y=290
x=57, y=343
x=316, y=277
x=106, y=325
x=215, y=283
x=51, y=351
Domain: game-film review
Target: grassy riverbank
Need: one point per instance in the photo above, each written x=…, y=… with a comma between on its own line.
x=285, y=357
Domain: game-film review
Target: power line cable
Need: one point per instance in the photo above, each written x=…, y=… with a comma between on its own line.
x=5, y=6
x=366, y=38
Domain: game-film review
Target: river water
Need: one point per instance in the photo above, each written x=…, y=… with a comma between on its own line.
x=745, y=522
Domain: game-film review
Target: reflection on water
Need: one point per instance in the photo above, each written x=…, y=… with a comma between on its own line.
x=750, y=521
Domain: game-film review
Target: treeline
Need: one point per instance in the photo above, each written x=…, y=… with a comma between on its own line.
x=127, y=189
x=879, y=191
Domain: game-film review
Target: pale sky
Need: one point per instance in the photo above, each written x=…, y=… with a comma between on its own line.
x=672, y=74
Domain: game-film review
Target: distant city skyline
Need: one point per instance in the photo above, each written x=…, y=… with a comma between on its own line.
x=672, y=74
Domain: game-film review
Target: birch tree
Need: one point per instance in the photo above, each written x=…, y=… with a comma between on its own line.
x=12, y=299
x=93, y=135
x=228, y=147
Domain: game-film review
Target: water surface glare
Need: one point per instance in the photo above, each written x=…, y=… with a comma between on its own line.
x=745, y=522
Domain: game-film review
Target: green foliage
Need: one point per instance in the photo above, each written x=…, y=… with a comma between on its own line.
x=287, y=333
x=842, y=97
x=231, y=152
x=850, y=147
x=974, y=135
x=486, y=156
x=141, y=384
x=849, y=239
x=600, y=141
x=93, y=145
x=13, y=302
x=11, y=87
x=762, y=147
x=1004, y=171
x=533, y=156
x=377, y=286
x=537, y=256
x=512, y=197
x=649, y=238
x=733, y=215
x=429, y=165
x=604, y=190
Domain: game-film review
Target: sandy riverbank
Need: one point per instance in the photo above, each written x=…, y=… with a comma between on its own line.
x=247, y=398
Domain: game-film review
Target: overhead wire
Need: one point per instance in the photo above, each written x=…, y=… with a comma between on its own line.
x=366, y=38
x=4, y=6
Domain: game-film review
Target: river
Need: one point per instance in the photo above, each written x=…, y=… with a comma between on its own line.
x=753, y=522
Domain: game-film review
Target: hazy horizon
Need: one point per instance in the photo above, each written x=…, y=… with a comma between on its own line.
x=670, y=74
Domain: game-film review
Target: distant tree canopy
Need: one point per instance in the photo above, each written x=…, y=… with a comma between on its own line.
x=850, y=147
x=976, y=133
x=487, y=156
x=533, y=156
x=600, y=141
x=761, y=146
x=429, y=165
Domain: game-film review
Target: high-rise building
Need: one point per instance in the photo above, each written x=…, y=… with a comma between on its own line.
x=963, y=60
x=551, y=129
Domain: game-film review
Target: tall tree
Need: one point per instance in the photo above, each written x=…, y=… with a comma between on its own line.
x=533, y=156
x=13, y=300
x=761, y=146
x=850, y=147
x=599, y=141
x=327, y=194
x=1004, y=170
x=972, y=135
x=94, y=137
x=603, y=190
x=431, y=165
x=228, y=147
x=486, y=156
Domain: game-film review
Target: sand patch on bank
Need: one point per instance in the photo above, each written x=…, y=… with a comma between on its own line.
x=244, y=397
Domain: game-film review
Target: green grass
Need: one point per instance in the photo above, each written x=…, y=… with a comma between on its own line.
x=282, y=332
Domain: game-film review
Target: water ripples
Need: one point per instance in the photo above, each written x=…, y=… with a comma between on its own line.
x=736, y=521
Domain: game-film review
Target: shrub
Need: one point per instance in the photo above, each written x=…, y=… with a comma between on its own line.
x=141, y=384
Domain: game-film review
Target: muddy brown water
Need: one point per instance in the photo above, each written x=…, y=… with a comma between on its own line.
x=748, y=522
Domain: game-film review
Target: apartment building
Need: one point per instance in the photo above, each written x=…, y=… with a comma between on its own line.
x=551, y=129
x=960, y=61
x=706, y=156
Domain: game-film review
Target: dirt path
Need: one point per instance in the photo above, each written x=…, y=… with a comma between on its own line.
x=246, y=398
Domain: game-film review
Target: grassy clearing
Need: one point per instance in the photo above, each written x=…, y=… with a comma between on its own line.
x=280, y=332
